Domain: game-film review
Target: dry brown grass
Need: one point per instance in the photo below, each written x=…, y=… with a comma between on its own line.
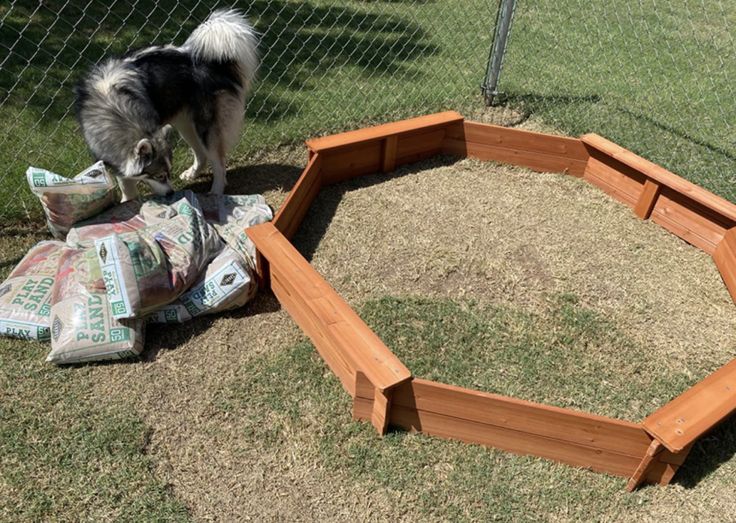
x=497, y=234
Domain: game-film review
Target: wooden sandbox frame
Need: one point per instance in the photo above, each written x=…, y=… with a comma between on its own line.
x=384, y=390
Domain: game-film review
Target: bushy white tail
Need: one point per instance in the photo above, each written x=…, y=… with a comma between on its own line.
x=225, y=36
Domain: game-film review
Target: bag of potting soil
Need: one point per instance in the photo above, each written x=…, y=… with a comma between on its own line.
x=147, y=269
x=227, y=283
x=25, y=296
x=66, y=201
x=82, y=326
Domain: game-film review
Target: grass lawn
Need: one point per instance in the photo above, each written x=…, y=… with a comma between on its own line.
x=655, y=77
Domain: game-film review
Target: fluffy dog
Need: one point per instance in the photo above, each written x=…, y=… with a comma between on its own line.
x=126, y=105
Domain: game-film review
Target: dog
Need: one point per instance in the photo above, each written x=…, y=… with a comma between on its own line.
x=126, y=106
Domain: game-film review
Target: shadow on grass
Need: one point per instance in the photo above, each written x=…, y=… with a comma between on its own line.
x=323, y=208
x=708, y=454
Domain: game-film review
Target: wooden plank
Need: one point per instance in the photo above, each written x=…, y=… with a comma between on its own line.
x=621, y=437
x=688, y=220
x=334, y=318
x=520, y=139
x=725, y=259
x=347, y=163
x=381, y=410
x=379, y=132
x=647, y=199
x=416, y=146
x=292, y=211
x=640, y=474
x=626, y=187
x=389, y=153
x=518, y=442
x=696, y=411
x=532, y=160
x=661, y=175
x=333, y=357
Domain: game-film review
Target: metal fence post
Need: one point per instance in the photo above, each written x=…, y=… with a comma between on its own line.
x=498, y=49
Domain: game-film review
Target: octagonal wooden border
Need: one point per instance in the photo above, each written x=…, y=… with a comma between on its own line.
x=384, y=390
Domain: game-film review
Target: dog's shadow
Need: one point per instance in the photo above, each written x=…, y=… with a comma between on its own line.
x=253, y=179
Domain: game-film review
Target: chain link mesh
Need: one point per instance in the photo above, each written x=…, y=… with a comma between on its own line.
x=656, y=77
x=327, y=65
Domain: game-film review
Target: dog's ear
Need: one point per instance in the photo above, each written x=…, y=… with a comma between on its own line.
x=144, y=151
x=167, y=131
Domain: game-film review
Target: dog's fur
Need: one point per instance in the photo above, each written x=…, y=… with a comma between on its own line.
x=125, y=105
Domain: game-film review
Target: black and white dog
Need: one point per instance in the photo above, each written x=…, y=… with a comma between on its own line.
x=126, y=105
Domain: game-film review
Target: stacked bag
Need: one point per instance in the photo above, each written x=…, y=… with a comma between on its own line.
x=164, y=260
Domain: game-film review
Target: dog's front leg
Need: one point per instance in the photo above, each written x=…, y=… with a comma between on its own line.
x=218, y=176
x=129, y=188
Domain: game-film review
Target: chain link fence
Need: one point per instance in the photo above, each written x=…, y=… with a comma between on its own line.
x=656, y=77
x=327, y=65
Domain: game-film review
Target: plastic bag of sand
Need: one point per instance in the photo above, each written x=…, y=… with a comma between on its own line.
x=149, y=268
x=66, y=201
x=25, y=296
x=82, y=327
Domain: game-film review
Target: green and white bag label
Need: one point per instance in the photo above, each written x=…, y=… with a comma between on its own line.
x=215, y=289
x=108, y=254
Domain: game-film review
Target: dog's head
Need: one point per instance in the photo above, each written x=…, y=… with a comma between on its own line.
x=149, y=161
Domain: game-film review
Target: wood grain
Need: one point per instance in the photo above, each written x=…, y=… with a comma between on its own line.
x=305, y=190
x=661, y=175
x=647, y=199
x=379, y=132
x=725, y=259
x=696, y=411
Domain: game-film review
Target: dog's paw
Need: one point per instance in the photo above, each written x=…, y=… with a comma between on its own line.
x=189, y=174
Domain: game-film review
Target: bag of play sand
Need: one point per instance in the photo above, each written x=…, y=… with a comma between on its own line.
x=239, y=218
x=82, y=327
x=147, y=269
x=25, y=296
x=66, y=201
x=227, y=283
x=127, y=217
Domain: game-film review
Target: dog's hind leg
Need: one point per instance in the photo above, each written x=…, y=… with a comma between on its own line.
x=185, y=126
x=223, y=136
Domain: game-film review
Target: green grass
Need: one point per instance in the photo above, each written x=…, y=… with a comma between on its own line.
x=655, y=77
x=502, y=349
x=67, y=455
x=326, y=66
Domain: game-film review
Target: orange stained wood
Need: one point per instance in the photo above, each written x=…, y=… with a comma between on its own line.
x=725, y=259
x=640, y=474
x=662, y=176
x=696, y=411
x=647, y=199
x=421, y=123
x=537, y=151
x=580, y=439
x=617, y=436
x=329, y=313
x=292, y=211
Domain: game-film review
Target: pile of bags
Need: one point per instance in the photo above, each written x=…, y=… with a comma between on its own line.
x=115, y=268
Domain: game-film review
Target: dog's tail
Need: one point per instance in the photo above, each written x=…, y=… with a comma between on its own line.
x=226, y=36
